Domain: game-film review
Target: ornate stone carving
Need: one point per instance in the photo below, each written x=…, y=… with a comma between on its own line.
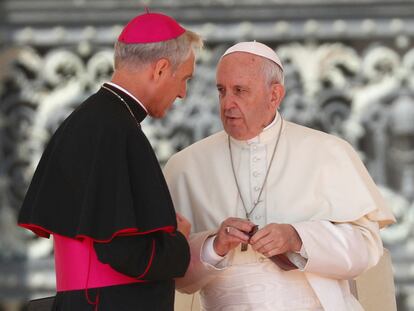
x=361, y=89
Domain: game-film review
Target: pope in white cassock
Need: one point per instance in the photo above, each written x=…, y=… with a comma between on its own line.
x=317, y=209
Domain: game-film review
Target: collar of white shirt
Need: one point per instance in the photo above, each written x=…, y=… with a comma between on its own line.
x=268, y=133
x=125, y=91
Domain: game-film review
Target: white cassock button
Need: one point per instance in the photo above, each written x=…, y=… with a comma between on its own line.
x=256, y=174
x=257, y=217
x=257, y=188
x=254, y=147
x=255, y=159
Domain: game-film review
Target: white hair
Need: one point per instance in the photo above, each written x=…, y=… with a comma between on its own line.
x=138, y=55
x=272, y=72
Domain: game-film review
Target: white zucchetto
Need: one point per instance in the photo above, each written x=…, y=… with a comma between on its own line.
x=255, y=48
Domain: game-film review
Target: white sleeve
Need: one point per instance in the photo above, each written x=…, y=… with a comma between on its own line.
x=209, y=255
x=298, y=259
x=340, y=250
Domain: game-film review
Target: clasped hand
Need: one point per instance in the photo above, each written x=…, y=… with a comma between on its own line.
x=271, y=240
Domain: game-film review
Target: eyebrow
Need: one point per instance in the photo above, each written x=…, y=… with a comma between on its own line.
x=244, y=87
x=234, y=86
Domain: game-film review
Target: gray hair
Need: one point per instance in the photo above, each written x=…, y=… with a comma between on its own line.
x=272, y=72
x=138, y=55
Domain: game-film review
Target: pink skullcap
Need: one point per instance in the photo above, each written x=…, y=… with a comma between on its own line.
x=149, y=28
x=255, y=48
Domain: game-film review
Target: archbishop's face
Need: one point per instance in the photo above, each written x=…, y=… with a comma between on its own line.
x=172, y=86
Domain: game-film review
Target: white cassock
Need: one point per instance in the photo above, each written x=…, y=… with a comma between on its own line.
x=316, y=183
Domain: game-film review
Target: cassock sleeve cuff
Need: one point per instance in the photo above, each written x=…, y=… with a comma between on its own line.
x=297, y=259
x=210, y=257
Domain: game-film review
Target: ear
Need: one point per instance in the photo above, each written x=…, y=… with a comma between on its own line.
x=160, y=69
x=277, y=94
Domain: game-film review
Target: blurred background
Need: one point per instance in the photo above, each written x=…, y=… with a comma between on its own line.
x=349, y=71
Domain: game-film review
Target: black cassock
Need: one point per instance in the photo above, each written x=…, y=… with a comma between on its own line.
x=99, y=178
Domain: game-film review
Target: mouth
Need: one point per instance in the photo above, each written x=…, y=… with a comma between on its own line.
x=232, y=117
x=233, y=120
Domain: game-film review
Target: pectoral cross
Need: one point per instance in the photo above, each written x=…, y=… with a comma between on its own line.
x=250, y=234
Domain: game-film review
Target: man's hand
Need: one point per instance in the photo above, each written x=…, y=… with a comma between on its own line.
x=231, y=233
x=183, y=225
x=275, y=239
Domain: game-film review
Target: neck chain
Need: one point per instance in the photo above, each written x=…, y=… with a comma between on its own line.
x=255, y=203
x=124, y=102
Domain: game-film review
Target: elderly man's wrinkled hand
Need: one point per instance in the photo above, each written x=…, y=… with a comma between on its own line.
x=231, y=233
x=275, y=239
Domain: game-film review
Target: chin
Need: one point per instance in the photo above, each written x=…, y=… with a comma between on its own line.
x=156, y=114
x=233, y=134
x=238, y=135
x=233, y=131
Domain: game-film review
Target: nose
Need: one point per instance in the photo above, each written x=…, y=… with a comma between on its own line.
x=183, y=91
x=226, y=102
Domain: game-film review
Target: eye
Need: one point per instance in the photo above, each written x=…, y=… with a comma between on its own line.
x=220, y=90
x=238, y=90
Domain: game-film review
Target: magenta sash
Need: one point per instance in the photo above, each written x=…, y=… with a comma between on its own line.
x=77, y=266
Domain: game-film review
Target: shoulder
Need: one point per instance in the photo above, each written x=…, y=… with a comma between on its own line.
x=100, y=113
x=103, y=109
x=314, y=139
x=203, y=148
x=98, y=120
x=319, y=147
x=197, y=154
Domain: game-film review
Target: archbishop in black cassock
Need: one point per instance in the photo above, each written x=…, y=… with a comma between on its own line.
x=99, y=190
x=99, y=178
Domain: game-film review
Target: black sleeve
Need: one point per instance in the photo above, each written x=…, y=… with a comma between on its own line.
x=153, y=257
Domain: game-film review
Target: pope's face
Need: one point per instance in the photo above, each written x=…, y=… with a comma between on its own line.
x=247, y=102
x=173, y=86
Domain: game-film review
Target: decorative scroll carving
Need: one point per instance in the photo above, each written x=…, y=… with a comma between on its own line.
x=366, y=97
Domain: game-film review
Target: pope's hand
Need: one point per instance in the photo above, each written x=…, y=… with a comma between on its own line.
x=275, y=239
x=183, y=225
x=231, y=233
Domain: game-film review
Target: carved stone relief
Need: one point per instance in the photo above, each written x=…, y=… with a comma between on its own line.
x=365, y=96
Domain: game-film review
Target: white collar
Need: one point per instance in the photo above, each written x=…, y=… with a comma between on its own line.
x=256, y=139
x=125, y=91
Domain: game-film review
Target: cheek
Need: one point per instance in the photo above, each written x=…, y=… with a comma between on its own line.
x=176, y=88
x=167, y=92
x=252, y=116
x=221, y=106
